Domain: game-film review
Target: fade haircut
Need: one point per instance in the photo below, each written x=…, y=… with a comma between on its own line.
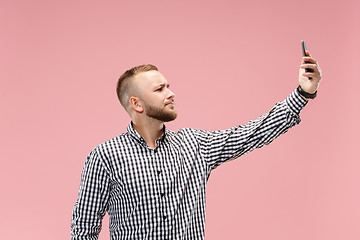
x=125, y=86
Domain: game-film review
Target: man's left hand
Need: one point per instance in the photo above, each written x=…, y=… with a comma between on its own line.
x=309, y=81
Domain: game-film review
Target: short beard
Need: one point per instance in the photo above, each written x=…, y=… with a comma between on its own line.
x=160, y=114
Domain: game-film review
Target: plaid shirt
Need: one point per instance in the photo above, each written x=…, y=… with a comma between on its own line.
x=160, y=193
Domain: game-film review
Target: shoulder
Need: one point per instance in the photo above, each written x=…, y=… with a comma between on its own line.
x=109, y=151
x=108, y=148
x=186, y=134
x=113, y=143
x=181, y=132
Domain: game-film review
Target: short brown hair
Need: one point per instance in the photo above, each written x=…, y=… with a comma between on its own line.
x=124, y=84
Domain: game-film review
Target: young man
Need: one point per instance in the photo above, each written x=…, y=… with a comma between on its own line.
x=152, y=181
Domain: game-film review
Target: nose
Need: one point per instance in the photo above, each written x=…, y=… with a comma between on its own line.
x=170, y=94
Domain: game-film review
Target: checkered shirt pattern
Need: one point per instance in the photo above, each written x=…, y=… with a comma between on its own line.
x=160, y=193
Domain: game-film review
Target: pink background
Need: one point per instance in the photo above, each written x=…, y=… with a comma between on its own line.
x=228, y=62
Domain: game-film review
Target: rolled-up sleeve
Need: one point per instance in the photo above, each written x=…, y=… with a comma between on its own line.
x=220, y=146
x=91, y=205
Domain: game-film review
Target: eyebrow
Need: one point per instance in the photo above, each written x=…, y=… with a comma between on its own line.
x=163, y=85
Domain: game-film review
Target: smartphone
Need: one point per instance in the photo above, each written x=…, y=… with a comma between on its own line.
x=303, y=46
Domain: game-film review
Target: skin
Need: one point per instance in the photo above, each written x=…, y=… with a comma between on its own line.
x=153, y=91
x=309, y=81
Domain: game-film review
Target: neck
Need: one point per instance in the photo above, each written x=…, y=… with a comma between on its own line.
x=150, y=129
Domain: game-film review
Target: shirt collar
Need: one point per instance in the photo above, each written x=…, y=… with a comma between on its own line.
x=134, y=134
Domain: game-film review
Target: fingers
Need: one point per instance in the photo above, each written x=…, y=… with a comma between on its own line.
x=311, y=75
x=314, y=70
x=309, y=60
x=314, y=67
x=310, y=66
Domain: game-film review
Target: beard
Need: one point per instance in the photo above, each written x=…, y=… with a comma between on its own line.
x=160, y=114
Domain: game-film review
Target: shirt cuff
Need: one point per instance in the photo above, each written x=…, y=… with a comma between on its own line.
x=295, y=102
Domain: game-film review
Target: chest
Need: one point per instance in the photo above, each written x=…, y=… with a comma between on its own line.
x=145, y=174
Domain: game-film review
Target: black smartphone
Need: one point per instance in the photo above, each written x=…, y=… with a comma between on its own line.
x=303, y=46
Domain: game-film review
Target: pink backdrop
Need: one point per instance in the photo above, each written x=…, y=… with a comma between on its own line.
x=228, y=62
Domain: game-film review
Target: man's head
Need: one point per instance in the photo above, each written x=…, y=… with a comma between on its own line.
x=144, y=90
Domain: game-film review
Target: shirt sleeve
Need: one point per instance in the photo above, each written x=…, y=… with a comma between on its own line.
x=91, y=205
x=220, y=146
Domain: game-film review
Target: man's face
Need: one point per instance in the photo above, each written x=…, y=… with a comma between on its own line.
x=155, y=95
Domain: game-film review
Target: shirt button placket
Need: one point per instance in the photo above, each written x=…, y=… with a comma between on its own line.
x=160, y=207
x=162, y=194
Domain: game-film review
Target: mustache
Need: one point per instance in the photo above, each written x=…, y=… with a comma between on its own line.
x=171, y=101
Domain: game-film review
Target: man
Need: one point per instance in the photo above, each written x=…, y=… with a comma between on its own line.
x=152, y=181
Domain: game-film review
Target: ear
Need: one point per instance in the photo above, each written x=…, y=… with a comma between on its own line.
x=136, y=104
